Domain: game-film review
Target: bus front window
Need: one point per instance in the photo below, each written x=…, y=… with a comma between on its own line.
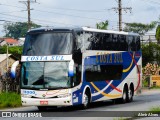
x=45, y=75
x=48, y=43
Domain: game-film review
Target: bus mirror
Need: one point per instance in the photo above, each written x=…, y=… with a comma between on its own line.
x=13, y=69
x=71, y=69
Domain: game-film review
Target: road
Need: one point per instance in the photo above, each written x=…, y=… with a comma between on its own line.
x=141, y=103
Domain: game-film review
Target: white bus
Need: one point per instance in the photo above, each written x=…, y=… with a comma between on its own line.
x=77, y=66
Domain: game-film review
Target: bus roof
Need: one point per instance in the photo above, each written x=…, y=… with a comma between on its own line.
x=109, y=31
x=41, y=29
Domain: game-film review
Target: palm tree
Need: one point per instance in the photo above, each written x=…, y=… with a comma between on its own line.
x=102, y=25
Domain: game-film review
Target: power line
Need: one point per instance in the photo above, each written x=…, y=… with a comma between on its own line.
x=68, y=15
x=55, y=13
x=77, y=10
x=36, y=19
x=153, y=2
x=11, y=5
x=15, y=11
x=69, y=9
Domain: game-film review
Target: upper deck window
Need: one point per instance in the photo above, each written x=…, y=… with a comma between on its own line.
x=48, y=43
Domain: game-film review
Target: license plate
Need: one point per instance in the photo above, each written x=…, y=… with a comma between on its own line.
x=44, y=102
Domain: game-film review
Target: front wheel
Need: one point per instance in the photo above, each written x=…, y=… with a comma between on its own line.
x=86, y=99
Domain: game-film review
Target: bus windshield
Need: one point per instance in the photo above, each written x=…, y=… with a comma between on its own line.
x=45, y=75
x=48, y=43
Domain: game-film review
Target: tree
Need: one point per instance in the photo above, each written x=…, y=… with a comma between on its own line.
x=14, y=50
x=18, y=29
x=102, y=25
x=158, y=34
x=151, y=53
x=139, y=28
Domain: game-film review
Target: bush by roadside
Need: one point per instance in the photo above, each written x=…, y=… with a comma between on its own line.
x=9, y=99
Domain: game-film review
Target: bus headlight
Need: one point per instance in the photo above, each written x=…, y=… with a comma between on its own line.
x=26, y=95
x=64, y=95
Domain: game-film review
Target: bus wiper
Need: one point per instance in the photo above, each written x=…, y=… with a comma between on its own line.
x=61, y=88
x=38, y=82
x=29, y=49
x=56, y=88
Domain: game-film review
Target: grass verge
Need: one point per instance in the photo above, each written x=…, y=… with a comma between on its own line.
x=155, y=110
x=155, y=87
x=9, y=99
x=152, y=112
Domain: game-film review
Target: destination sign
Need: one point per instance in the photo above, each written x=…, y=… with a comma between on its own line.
x=47, y=58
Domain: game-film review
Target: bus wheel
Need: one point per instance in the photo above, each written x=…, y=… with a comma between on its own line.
x=42, y=108
x=130, y=94
x=86, y=99
x=124, y=96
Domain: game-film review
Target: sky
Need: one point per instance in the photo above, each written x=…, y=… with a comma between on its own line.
x=78, y=13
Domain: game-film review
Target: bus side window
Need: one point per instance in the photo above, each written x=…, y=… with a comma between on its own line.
x=124, y=43
x=133, y=44
x=103, y=72
x=114, y=42
x=95, y=41
x=118, y=43
x=106, y=42
x=137, y=43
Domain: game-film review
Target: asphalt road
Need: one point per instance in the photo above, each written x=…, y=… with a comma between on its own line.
x=141, y=103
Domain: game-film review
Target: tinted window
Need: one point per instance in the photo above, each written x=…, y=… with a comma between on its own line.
x=138, y=43
x=79, y=40
x=123, y=43
x=106, y=41
x=131, y=43
x=103, y=72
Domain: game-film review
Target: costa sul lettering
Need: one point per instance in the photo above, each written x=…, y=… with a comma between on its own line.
x=57, y=58
x=103, y=57
x=44, y=58
x=36, y=58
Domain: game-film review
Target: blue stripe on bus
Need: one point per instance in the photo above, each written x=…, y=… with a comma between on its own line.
x=126, y=62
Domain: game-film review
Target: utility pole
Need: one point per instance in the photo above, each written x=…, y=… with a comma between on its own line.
x=27, y=3
x=120, y=15
x=29, y=15
x=119, y=11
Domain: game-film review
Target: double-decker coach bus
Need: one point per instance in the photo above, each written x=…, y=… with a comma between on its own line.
x=77, y=66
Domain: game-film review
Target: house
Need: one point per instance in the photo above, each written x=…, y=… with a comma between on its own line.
x=3, y=62
x=8, y=41
x=148, y=37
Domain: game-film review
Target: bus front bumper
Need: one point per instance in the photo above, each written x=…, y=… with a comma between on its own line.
x=46, y=102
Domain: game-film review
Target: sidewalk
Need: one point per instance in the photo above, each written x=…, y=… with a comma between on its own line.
x=146, y=91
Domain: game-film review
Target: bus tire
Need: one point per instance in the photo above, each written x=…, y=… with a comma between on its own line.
x=42, y=108
x=124, y=95
x=130, y=94
x=86, y=99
